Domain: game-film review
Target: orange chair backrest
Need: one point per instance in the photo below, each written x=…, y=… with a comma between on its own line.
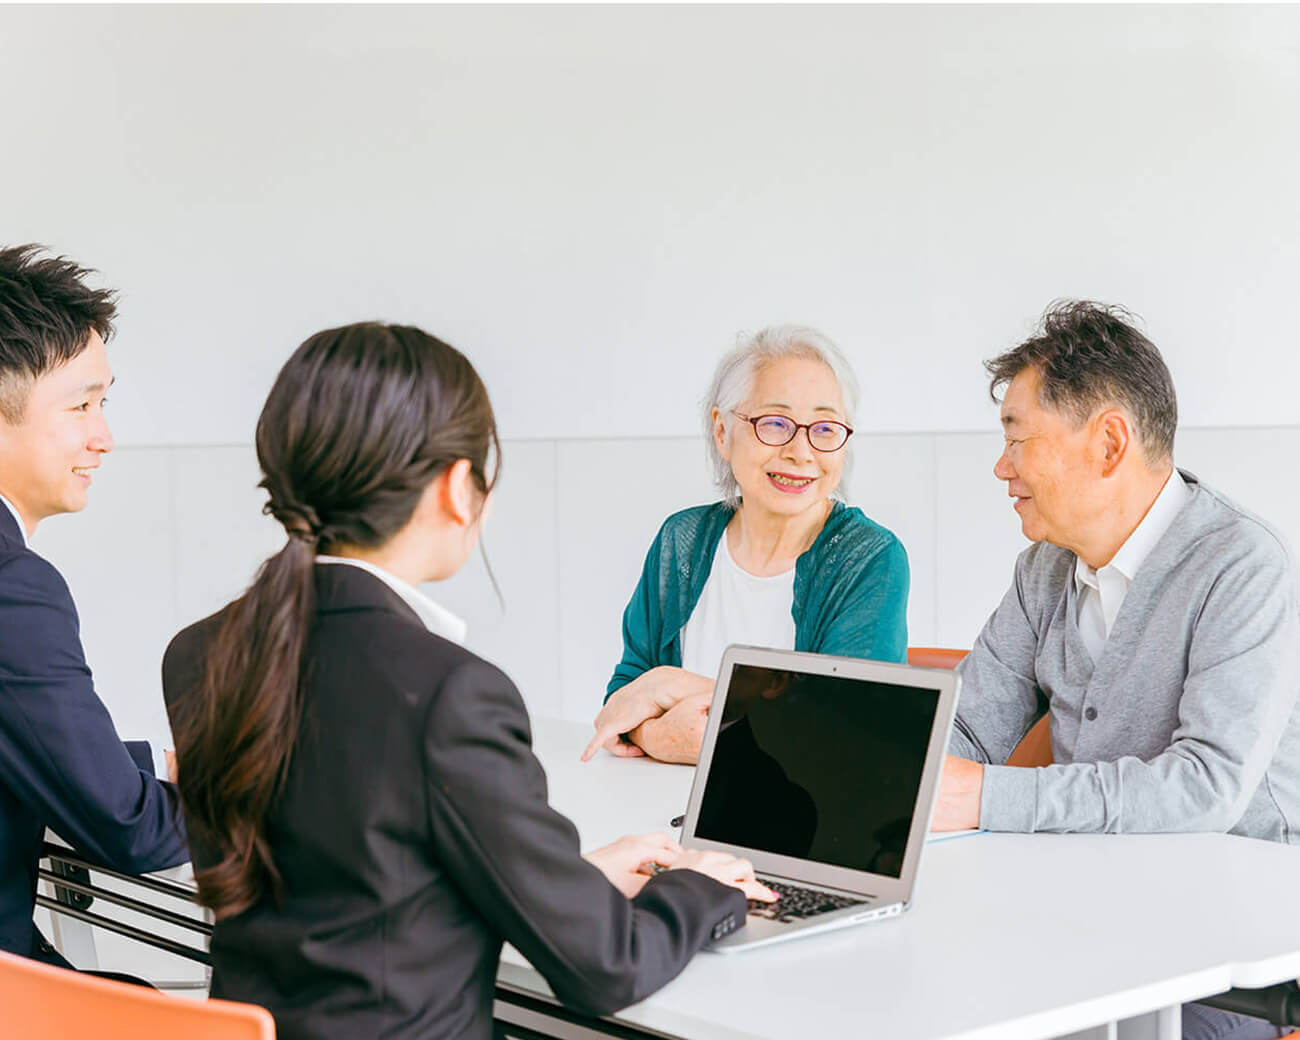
x=39, y=1000
x=1034, y=749
x=934, y=656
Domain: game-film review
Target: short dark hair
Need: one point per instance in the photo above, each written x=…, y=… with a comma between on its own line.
x=47, y=314
x=1089, y=355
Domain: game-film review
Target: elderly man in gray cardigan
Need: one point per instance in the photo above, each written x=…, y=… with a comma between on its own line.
x=1153, y=619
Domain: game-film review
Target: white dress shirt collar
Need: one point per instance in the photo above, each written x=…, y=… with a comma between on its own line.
x=1168, y=504
x=22, y=531
x=437, y=619
x=1137, y=547
x=1101, y=592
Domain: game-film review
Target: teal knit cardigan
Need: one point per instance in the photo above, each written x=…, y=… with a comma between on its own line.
x=850, y=590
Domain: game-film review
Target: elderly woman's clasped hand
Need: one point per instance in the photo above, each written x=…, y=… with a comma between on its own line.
x=662, y=691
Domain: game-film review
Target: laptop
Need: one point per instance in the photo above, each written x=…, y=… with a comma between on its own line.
x=823, y=772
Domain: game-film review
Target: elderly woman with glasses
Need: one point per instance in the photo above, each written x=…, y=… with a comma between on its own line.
x=782, y=562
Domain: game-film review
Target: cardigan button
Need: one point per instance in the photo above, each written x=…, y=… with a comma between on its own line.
x=1090, y=714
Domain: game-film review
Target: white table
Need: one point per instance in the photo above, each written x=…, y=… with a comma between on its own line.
x=1013, y=937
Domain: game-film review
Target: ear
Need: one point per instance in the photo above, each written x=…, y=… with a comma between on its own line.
x=15, y=390
x=1114, y=437
x=720, y=434
x=455, y=493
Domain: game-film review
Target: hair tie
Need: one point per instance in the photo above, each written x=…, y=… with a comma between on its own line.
x=301, y=534
x=300, y=522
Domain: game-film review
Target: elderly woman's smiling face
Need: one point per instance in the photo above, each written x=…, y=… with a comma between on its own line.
x=791, y=478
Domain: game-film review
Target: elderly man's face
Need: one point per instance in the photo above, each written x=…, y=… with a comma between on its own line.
x=1050, y=466
x=794, y=477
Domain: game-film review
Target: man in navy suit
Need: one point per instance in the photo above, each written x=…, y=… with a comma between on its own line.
x=62, y=765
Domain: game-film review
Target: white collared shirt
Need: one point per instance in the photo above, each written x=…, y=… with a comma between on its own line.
x=437, y=619
x=1102, y=591
x=22, y=530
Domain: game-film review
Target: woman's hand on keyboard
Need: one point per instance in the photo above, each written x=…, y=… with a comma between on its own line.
x=724, y=867
x=631, y=861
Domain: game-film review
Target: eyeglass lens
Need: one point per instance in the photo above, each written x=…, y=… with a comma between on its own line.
x=776, y=430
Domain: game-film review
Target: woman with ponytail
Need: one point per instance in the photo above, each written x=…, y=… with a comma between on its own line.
x=367, y=819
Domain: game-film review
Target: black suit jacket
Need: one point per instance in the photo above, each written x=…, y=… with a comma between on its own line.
x=61, y=763
x=413, y=835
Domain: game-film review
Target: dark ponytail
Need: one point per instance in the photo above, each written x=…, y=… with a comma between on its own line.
x=360, y=420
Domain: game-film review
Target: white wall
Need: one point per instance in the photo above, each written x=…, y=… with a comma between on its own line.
x=591, y=201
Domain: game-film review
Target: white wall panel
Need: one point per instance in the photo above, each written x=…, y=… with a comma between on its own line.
x=221, y=536
x=893, y=483
x=521, y=635
x=613, y=495
x=978, y=535
x=117, y=558
x=1255, y=467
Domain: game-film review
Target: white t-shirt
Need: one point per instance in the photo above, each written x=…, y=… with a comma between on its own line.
x=737, y=607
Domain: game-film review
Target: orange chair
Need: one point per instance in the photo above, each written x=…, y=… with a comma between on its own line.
x=934, y=656
x=1035, y=747
x=40, y=1000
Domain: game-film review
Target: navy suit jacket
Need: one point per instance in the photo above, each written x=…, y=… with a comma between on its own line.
x=62, y=765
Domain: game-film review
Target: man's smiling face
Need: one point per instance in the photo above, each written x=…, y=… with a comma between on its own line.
x=1047, y=465
x=46, y=458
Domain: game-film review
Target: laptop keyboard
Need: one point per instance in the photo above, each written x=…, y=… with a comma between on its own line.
x=797, y=903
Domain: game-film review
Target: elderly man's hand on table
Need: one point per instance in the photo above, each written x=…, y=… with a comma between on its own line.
x=958, y=806
x=648, y=696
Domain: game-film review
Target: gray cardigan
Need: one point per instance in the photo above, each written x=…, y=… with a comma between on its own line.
x=1188, y=720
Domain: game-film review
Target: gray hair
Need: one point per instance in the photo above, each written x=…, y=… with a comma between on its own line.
x=1091, y=355
x=733, y=380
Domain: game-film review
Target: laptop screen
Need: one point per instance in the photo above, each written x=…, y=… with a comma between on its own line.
x=819, y=767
